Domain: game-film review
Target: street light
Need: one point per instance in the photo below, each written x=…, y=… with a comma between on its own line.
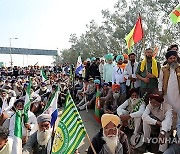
x=11, y=62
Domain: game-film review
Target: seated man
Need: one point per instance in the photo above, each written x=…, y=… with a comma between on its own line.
x=130, y=112
x=116, y=97
x=175, y=148
x=106, y=98
x=40, y=141
x=157, y=114
x=5, y=142
x=27, y=128
x=110, y=139
x=88, y=94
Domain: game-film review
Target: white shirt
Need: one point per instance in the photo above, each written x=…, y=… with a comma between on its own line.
x=164, y=114
x=7, y=149
x=128, y=71
x=121, y=110
x=118, y=75
x=6, y=107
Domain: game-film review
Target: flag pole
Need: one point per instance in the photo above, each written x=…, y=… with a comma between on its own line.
x=92, y=147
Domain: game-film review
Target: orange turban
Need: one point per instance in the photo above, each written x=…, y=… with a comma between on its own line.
x=115, y=86
x=107, y=118
x=125, y=56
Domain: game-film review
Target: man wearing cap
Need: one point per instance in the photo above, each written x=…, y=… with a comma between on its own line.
x=116, y=97
x=110, y=139
x=169, y=81
x=118, y=76
x=148, y=72
x=130, y=74
x=130, y=112
x=157, y=115
x=40, y=142
x=108, y=69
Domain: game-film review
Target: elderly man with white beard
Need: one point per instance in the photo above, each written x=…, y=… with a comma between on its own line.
x=130, y=112
x=110, y=139
x=40, y=142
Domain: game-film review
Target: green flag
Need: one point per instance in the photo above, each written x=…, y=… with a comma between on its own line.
x=70, y=131
x=97, y=115
x=175, y=15
x=43, y=76
x=27, y=103
x=17, y=140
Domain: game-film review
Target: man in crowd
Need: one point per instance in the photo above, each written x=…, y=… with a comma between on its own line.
x=148, y=72
x=130, y=74
x=169, y=81
x=110, y=139
x=130, y=112
x=106, y=98
x=40, y=141
x=5, y=142
x=101, y=67
x=157, y=115
x=116, y=97
x=118, y=76
x=6, y=102
x=107, y=71
x=94, y=69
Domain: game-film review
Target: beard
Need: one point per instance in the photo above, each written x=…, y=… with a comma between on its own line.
x=173, y=65
x=44, y=136
x=149, y=57
x=111, y=141
x=115, y=96
x=133, y=100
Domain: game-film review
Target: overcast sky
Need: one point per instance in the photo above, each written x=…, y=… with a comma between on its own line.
x=45, y=24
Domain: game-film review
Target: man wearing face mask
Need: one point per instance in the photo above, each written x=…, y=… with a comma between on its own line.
x=129, y=113
x=157, y=116
x=148, y=72
x=41, y=141
x=29, y=127
x=116, y=96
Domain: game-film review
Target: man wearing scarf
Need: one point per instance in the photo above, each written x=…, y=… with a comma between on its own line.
x=118, y=76
x=129, y=112
x=169, y=80
x=148, y=72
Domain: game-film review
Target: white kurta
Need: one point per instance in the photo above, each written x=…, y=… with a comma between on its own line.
x=173, y=96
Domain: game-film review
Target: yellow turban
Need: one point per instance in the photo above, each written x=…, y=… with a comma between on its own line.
x=106, y=118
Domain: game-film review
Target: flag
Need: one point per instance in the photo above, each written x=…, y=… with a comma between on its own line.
x=175, y=15
x=51, y=107
x=97, y=106
x=27, y=103
x=43, y=75
x=135, y=35
x=155, y=51
x=79, y=66
x=70, y=131
x=17, y=139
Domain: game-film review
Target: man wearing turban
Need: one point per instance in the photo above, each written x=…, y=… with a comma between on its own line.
x=108, y=67
x=110, y=139
x=158, y=117
x=118, y=76
x=169, y=80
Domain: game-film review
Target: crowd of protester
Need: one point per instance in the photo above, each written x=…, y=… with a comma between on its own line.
x=140, y=96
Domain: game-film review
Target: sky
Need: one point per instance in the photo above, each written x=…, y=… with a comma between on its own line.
x=45, y=24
